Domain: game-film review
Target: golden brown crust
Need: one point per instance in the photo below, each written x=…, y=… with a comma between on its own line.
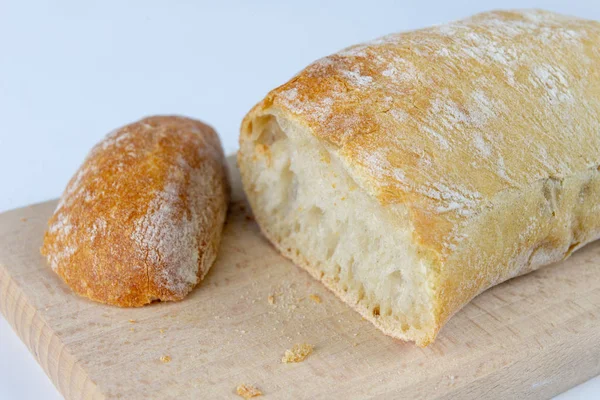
x=485, y=129
x=403, y=116
x=141, y=220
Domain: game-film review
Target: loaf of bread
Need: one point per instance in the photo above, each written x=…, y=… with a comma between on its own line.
x=411, y=173
x=142, y=218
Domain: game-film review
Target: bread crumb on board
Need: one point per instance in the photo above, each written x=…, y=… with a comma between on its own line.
x=133, y=321
x=297, y=353
x=271, y=299
x=315, y=297
x=165, y=359
x=248, y=391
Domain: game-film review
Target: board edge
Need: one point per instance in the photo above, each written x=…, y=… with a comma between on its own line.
x=64, y=371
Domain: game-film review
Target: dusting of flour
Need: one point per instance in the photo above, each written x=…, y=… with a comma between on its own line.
x=168, y=237
x=483, y=94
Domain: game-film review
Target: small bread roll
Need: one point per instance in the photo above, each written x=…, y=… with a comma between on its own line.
x=142, y=218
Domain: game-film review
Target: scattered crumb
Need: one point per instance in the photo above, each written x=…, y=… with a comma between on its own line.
x=165, y=359
x=161, y=331
x=298, y=353
x=354, y=344
x=243, y=331
x=133, y=321
x=316, y=298
x=271, y=299
x=248, y=391
x=23, y=219
x=132, y=329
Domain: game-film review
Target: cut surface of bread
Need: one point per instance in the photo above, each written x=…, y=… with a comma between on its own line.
x=312, y=210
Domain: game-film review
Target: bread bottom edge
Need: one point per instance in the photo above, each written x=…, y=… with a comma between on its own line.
x=421, y=337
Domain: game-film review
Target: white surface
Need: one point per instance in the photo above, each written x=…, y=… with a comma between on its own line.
x=70, y=71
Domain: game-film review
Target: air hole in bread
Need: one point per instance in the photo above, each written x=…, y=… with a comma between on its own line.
x=376, y=311
x=296, y=230
x=361, y=294
x=395, y=278
x=552, y=190
x=574, y=246
x=314, y=215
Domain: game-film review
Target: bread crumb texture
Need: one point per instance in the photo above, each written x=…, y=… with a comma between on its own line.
x=248, y=391
x=297, y=353
x=271, y=299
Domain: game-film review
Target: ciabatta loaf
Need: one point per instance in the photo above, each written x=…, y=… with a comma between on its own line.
x=411, y=173
x=141, y=220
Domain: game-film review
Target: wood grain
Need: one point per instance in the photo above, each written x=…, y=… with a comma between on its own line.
x=534, y=336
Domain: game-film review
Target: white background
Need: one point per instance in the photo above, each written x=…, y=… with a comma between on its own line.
x=70, y=71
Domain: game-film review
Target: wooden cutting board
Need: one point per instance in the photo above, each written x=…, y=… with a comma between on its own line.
x=534, y=336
